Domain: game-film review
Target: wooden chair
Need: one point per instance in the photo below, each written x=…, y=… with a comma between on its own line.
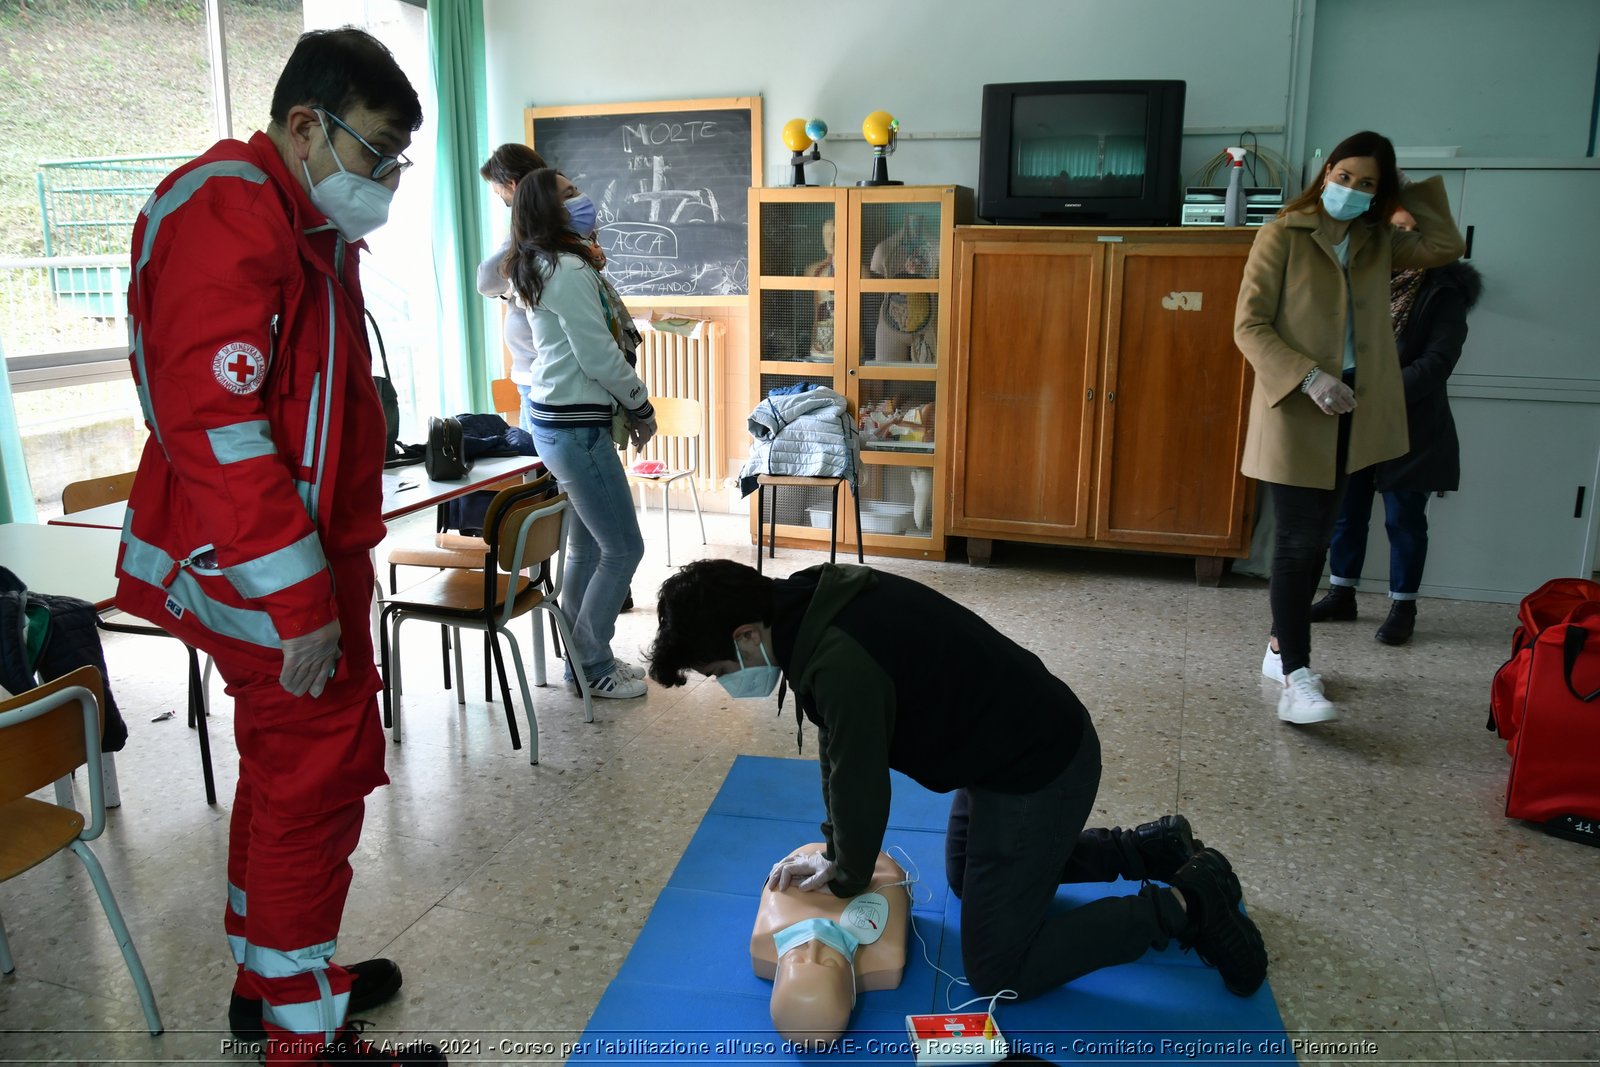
x=45, y=735
x=91, y=493
x=457, y=551
x=525, y=529
x=676, y=418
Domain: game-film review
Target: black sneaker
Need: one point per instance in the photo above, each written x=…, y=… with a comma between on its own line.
x=349, y=1047
x=1338, y=606
x=375, y=982
x=1165, y=844
x=1224, y=936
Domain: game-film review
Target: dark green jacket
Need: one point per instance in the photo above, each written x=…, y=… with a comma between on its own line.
x=898, y=676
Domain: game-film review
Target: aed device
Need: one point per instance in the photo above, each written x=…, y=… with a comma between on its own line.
x=953, y=1038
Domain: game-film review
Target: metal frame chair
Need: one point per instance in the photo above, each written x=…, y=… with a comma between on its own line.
x=46, y=734
x=90, y=493
x=676, y=417
x=525, y=528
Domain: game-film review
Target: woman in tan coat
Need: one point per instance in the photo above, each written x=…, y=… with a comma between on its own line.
x=1313, y=320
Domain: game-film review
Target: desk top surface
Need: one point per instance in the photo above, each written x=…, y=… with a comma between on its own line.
x=405, y=490
x=78, y=561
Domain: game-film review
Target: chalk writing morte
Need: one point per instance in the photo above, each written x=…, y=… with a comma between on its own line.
x=670, y=181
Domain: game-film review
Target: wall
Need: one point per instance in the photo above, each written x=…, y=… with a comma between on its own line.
x=924, y=61
x=1497, y=79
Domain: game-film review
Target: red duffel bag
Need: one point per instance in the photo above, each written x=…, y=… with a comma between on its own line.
x=1555, y=743
x=1549, y=605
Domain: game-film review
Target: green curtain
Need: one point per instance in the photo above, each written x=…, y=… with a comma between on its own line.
x=16, y=495
x=460, y=227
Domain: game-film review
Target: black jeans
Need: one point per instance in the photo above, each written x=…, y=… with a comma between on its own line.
x=1304, y=519
x=1005, y=855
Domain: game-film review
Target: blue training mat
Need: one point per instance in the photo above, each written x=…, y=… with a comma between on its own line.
x=686, y=993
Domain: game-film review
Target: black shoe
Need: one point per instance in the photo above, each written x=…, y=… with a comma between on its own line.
x=374, y=982
x=627, y=602
x=1402, y=620
x=1223, y=935
x=349, y=1047
x=1165, y=845
x=1338, y=606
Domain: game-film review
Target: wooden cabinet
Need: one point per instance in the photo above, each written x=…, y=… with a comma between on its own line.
x=1098, y=396
x=850, y=289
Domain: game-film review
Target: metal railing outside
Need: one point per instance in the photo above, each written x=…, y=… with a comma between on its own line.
x=88, y=207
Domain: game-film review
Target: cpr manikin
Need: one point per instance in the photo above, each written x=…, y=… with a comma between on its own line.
x=819, y=950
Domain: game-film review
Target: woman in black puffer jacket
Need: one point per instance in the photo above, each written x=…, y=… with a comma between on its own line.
x=1430, y=324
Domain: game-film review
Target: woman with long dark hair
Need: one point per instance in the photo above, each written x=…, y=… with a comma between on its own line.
x=1313, y=320
x=578, y=380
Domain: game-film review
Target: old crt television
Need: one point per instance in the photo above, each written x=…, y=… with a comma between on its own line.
x=1081, y=153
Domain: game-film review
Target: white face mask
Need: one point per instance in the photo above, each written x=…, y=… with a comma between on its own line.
x=354, y=204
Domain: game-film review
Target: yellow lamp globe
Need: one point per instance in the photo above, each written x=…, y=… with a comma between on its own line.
x=878, y=127
x=795, y=137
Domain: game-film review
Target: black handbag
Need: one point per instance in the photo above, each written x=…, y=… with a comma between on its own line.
x=444, y=457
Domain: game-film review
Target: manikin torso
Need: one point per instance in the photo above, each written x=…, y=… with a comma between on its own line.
x=813, y=991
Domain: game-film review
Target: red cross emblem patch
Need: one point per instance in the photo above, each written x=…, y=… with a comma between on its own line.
x=239, y=367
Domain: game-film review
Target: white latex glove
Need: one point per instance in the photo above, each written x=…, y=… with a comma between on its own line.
x=640, y=431
x=810, y=870
x=1331, y=395
x=308, y=660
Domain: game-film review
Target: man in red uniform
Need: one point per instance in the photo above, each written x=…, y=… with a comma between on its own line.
x=258, y=502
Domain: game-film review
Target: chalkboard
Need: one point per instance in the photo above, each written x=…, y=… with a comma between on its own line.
x=670, y=180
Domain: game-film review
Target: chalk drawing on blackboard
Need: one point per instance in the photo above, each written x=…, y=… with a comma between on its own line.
x=669, y=181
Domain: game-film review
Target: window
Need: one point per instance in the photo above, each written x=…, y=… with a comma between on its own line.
x=108, y=97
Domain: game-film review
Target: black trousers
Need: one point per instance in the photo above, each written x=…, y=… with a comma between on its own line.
x=1304, y=519
x=1005, y=855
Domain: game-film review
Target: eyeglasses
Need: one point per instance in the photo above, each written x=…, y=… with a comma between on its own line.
x=386, y=165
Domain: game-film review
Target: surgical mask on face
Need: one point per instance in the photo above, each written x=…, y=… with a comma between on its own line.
x=751, y=683
x=1344, y=203
x=826, y=931
x=583, y=214
x=354, y=204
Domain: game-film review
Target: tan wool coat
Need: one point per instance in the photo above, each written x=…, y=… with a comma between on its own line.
x=1291, y=318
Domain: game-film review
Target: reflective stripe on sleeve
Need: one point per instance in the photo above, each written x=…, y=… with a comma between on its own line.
x=147, y=563
x=241, y=441
x=157, y=208
x=279, y=569
x=236, y=900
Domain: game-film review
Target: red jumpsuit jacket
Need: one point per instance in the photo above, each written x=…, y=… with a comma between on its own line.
x=265, y=456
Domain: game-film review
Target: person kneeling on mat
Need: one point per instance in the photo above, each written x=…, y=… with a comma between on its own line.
x=897, y=676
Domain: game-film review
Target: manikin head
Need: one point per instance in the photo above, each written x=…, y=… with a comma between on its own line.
x=814, y=990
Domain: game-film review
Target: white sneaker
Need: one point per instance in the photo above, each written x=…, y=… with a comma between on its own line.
x=614, y=685
x=628, y=670
x=1272, y=666
x=1302, y=702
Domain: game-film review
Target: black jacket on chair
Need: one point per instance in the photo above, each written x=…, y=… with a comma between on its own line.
x=72, y=640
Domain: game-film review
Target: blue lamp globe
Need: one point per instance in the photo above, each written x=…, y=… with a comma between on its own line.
x=816, y=129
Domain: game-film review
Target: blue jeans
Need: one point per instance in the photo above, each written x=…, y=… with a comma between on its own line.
x=1405, y=516
x=604, y=545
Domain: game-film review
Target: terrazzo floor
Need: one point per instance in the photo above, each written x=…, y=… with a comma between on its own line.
x=1406, y=918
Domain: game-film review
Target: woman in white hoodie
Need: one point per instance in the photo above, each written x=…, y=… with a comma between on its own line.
x=579, y=379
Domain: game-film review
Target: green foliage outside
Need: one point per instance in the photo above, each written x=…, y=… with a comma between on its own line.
x=92, y=78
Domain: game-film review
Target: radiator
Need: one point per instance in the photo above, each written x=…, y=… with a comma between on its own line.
x=690, y=367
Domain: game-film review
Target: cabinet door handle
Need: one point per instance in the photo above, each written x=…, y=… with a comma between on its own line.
x=1090, y=395
x=1111, y=397
x=852, y=372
